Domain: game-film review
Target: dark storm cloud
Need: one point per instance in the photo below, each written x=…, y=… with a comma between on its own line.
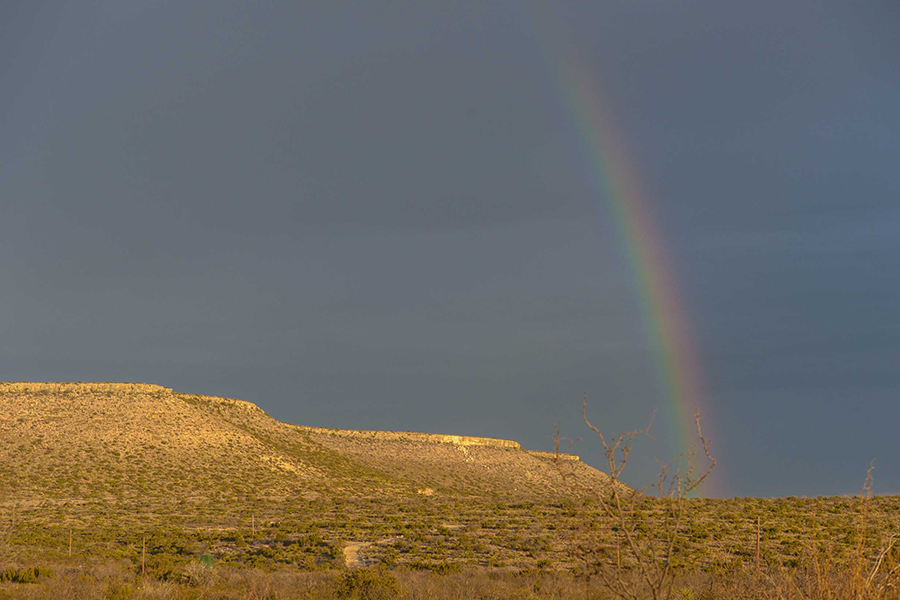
x=225, y=117
x=384, y=216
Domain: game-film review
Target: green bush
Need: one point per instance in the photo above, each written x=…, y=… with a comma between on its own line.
x=119, y=590
x=442, y=568
x=162, y=566
x=25, y=574
x=369, y=584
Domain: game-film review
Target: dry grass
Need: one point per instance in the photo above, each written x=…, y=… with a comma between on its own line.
x=146, y=444
x=107, y=465
x=110, y=582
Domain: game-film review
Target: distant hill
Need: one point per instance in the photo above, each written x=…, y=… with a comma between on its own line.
x=147, y=445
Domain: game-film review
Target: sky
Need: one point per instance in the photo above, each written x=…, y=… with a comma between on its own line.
x=396, y=216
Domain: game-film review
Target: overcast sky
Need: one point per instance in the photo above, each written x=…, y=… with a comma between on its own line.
x=384, y=215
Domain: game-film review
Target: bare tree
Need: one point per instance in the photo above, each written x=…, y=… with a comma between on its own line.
x=643, y=563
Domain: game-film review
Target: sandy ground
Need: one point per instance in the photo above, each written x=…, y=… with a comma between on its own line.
x=355, y=553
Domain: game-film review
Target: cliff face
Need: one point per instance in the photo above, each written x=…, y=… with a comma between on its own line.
x=409, y=436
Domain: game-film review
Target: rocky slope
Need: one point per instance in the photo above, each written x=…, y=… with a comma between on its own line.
x=146, y=444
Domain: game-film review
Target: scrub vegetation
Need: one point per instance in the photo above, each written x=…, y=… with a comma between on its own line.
x=135, y=491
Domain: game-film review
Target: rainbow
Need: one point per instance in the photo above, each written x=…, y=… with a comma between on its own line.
x=665, y=317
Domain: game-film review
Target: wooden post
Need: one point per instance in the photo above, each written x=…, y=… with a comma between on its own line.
x=143, y=555
x=70, y=543
x=757, y=547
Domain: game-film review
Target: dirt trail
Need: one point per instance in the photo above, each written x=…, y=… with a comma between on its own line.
x=354, y=552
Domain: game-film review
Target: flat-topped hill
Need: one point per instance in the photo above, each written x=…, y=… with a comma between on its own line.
x=96, y=470
x=146, y=444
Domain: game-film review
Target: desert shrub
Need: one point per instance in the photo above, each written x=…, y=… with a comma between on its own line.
x=369, y=584
x=195, y=574
x=162, y=566
x=119, y=590
x=444, y=568
x=439, y=568
x=25, y=574
x=389, y=558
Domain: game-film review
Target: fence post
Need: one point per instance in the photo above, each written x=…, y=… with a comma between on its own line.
x=757, y=547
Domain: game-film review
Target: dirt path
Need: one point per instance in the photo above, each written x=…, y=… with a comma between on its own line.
x=354, y=552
